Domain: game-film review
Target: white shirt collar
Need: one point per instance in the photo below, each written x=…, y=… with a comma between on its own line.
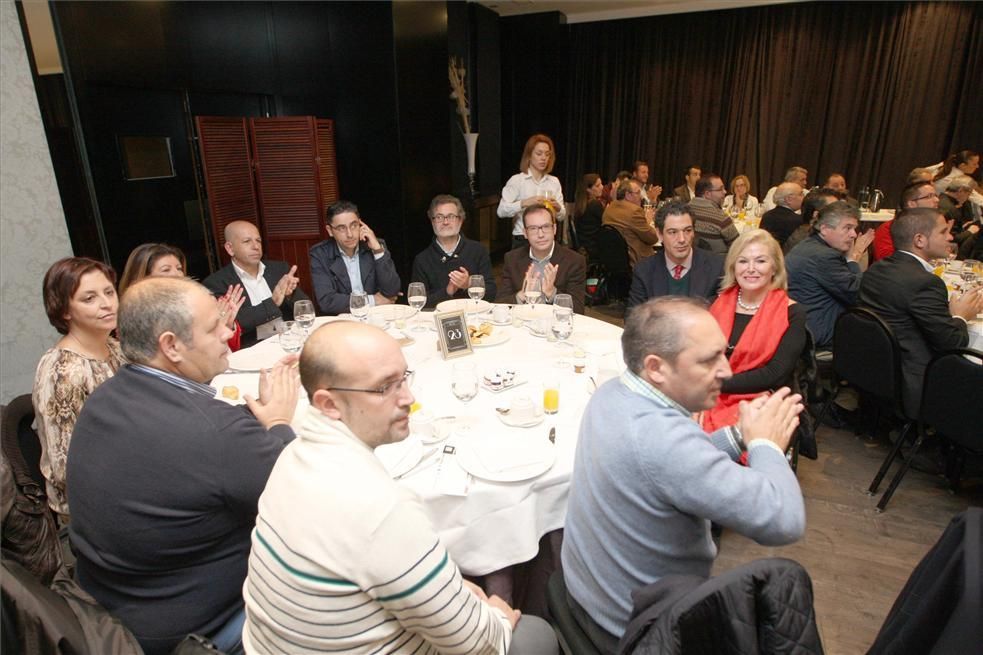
x=246, y=276
x=544, y=259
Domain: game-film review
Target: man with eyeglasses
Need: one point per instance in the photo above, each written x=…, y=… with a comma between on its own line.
x=920, y=193
x=634, y=224
x=559, y=269
x=714, y=228
x=451, y=259
x=352, y=260
x=344, y=558
x=786, y=217
x=680, y=269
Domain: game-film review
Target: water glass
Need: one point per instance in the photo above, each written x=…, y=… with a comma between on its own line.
x=304, y=314
x=464, y=381
x=416, y=296
x=476, y=289
x=562, y=323
x=358, y=303
x=291, y=337
x=533, y=290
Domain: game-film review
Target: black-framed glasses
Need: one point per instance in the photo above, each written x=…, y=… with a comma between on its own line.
x=927, y=196
x=539, y=229
x=384, y=390
x=445, y=218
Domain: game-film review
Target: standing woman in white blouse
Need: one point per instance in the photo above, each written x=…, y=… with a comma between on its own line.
x=741, y=200
x=532, y=185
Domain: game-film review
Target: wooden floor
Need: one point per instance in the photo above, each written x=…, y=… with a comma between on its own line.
x=858, y=559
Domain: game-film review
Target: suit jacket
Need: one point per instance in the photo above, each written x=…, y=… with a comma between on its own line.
x=651, y=277
x=629, y=219
x=915, y=304
x=332, y=287
x=250, y=316
x=682, y=193
x=781, y=222
x=570, y=274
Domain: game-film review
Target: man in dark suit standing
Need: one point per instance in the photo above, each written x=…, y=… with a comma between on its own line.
x=902, y=290
x=271, y=286
x=679, y=269
x=353, y=259
x=560, y=269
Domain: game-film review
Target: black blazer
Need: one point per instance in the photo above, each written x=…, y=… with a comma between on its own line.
x=651, y=277
x=915, y=304
x=250, y=316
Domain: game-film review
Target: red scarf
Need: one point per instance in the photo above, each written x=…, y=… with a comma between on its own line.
x=754, y=349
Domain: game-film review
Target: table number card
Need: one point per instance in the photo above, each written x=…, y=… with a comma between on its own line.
x=452, y=332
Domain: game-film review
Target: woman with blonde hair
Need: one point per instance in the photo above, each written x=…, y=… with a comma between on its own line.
x=765, y=329
x=532, y=185
x=740, y=201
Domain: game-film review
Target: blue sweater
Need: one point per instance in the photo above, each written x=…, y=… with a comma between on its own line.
x=647, y=482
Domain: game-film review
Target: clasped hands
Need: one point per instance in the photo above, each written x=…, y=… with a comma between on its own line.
x=279, y=389
x=548, y=278
x=773, y=417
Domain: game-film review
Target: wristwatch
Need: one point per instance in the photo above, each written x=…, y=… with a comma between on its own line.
x=378, y=251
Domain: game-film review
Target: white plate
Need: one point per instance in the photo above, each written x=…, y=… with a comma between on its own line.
x=516, y=381
x=497, y=338
x=392, y=312
x=504, y=459
x=512, y=423
x=464, y=304
x=400, y=457
x=532, y=312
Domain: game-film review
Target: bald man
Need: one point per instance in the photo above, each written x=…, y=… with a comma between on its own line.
x=339, y=538
x=271, y=285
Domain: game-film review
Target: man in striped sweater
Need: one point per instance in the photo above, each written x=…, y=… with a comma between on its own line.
x=345, y=560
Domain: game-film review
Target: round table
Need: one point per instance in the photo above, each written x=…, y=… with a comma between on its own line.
x=496, y=524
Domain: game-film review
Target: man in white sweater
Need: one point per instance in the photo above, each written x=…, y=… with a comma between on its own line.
x=345, y=560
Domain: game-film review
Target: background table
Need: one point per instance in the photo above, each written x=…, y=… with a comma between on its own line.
x=496, y=525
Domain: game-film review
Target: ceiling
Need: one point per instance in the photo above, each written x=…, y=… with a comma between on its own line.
x=586, y=11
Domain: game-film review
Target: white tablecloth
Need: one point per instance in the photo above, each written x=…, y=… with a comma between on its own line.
x=497, y=524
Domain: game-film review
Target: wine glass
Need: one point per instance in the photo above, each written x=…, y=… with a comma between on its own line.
x=476, y=289
x=358, y=303
x=562, y=323
x=533, y=290
x=291, y=337
x=304, y=314
x=464, y=381
x=416, y=296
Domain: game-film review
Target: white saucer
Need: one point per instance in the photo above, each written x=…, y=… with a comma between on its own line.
x=512, y=423
x=464, y=305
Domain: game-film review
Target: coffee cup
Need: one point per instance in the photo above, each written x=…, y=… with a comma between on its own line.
x=500, y=313
x=421, y=423
x=522, y=409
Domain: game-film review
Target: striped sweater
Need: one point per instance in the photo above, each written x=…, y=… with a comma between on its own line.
x=345, y=560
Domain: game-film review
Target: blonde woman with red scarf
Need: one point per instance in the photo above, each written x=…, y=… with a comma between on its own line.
x=765, y=329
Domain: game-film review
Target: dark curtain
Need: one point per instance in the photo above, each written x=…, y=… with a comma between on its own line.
x=871, y=90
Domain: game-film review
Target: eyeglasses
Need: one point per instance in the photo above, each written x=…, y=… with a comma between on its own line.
x=539, y=229
x=445, y=218
x=718, y=189
x=927, y=196
x=347, y=229
x=384, y=390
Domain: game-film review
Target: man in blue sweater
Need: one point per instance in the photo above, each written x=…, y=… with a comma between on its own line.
x=648, y=481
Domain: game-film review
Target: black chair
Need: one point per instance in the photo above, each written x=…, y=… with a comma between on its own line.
x=866, y=356
x=952, y=404
x=612, y=254
x=573, y=640
x=21, y=444
x=804, y=382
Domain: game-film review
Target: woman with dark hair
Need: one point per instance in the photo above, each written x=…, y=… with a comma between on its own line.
x=152, y=260
x=162, y=260
x=588, y=210
x=81, y=302
x=765, y=329
x=532, y=185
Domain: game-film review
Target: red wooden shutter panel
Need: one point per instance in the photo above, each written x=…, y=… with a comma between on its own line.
x=327, y=163
x=226, y=166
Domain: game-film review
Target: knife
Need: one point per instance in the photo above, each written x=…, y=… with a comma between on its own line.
x=553, y=435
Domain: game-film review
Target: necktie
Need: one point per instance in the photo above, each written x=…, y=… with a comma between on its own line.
x=677, y=271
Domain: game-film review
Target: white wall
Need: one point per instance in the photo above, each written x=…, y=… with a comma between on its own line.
x=32, y=224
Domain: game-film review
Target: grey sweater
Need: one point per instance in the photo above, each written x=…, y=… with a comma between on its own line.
x=647, y=482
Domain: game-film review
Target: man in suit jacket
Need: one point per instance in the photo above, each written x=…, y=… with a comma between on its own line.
x=353, y=259
x=785, y=218
x=271, y=286
x=687, y=190
x=561, y=270
x=628, y=217
x=680, y=269
x=165, y=479
x=902, y=290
